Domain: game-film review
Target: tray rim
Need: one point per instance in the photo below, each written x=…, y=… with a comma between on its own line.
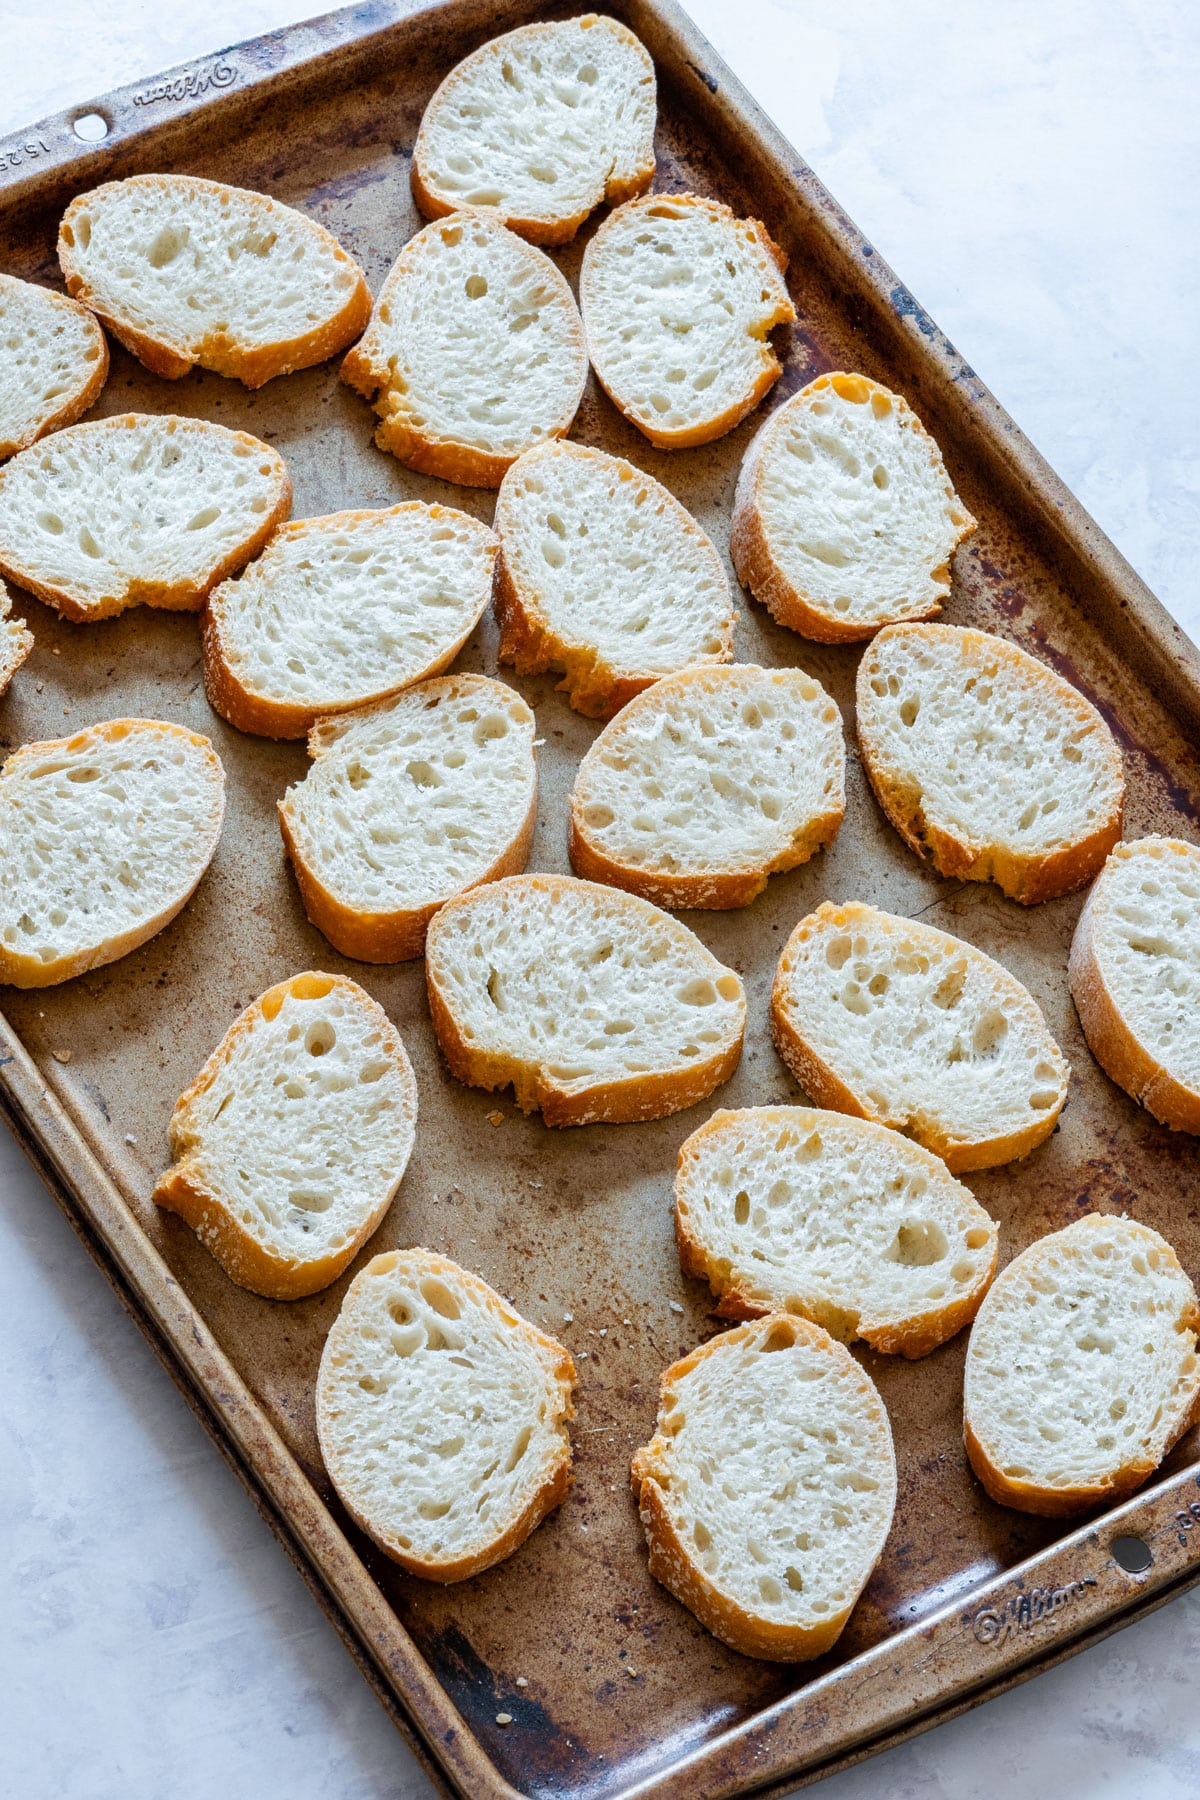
x=450, y=1755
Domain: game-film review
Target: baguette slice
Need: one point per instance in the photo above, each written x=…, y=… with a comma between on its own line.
x=1081, y=1368
x=678, y=295
x=539, y=126
x=103, y=839
x=474, y=352
x=783, y=1209
x=844, y=518
x=137, y=510
x=890, y=1020
x=442, y=1416
x=407, y=804
x=1135, y=976
x=768, y=1490
x=16, y=640
x=290, y=1143
x=186, y=271
x=594, y=1005
x=342, y=612
x=708, y=783
x=603, y=574
x=53, y=362
x=987, y=762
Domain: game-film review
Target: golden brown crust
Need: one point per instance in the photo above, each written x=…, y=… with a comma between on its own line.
x=180, y=596
x=30, y=971
x=73, y=405
x=221, y=352
x=755, y=564
x=550, y=1495
x=16, y=643
x=1110, y=1038
x=181, y=1189
x=827, y=1089
x=1027, y=877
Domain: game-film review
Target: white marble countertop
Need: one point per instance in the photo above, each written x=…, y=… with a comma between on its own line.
x=1030, y=171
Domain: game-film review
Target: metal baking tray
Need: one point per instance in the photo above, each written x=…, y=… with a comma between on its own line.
x=626, y=1693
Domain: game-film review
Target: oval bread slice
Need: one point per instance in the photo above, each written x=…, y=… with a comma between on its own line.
x=16, y=640
x=1135, y=976
x=290, y=1143
x=539, y=126
x=844, y=518
x=1081, y=1368
x=986, y=762
x=891, y=1020
x=342, y=612
x=603, y=575
x=783, y=1209
x=474, y=352
x=708, y=783
x=407, y=804
x=442, y=1416
x=53, y=362
x=768, y=1490
x=137, y=510
x=678, y=295
x=103, y=839
x=186, y=271
x=594, y=1005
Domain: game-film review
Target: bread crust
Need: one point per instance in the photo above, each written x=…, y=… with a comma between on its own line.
x=672, y=1561
x=181, y=1188
x=536, y=228
x=1113, y=1042
x=29, y=971
x=593, y=686
x=826, y=1088
x=368, y=371
x=183, y=596
x=221, y=352
x=1025, y=876
x=632, y=1099
x=261, y=716
x=16, y=641
x=549, y=1496
x=749, y=545
x=92, y=376
x=781, y=312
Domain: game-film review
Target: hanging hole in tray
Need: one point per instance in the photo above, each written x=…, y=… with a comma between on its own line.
x=1133, y=1553
x=91, y=127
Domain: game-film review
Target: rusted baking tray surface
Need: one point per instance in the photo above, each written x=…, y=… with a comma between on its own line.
x=626, y=1694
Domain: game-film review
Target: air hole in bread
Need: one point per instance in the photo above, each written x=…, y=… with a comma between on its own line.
x=917, y=1244
x=436, y=1294
x=320, y=1038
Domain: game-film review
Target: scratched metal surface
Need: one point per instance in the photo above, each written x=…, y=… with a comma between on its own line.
x=621, y=1680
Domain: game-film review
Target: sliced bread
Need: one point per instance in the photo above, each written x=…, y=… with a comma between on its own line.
x=783, y=1209
x=474, y=352
x=678, y=295
x=53, y=362
x=343, y=611
x=103, y=839
x=1135, y=976
x=986, y=761
x=888, y=1019
x=16, y=640
x=768, y=1489
x=442, y=1416
x=136, y=510
x=1081, y=1368
x=708, y=783
x=845, y=518
x=594, y=1005
x=186, y=271
x=539, y=126
x=407, y=804
x=289, y=1144
x=604, y=576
